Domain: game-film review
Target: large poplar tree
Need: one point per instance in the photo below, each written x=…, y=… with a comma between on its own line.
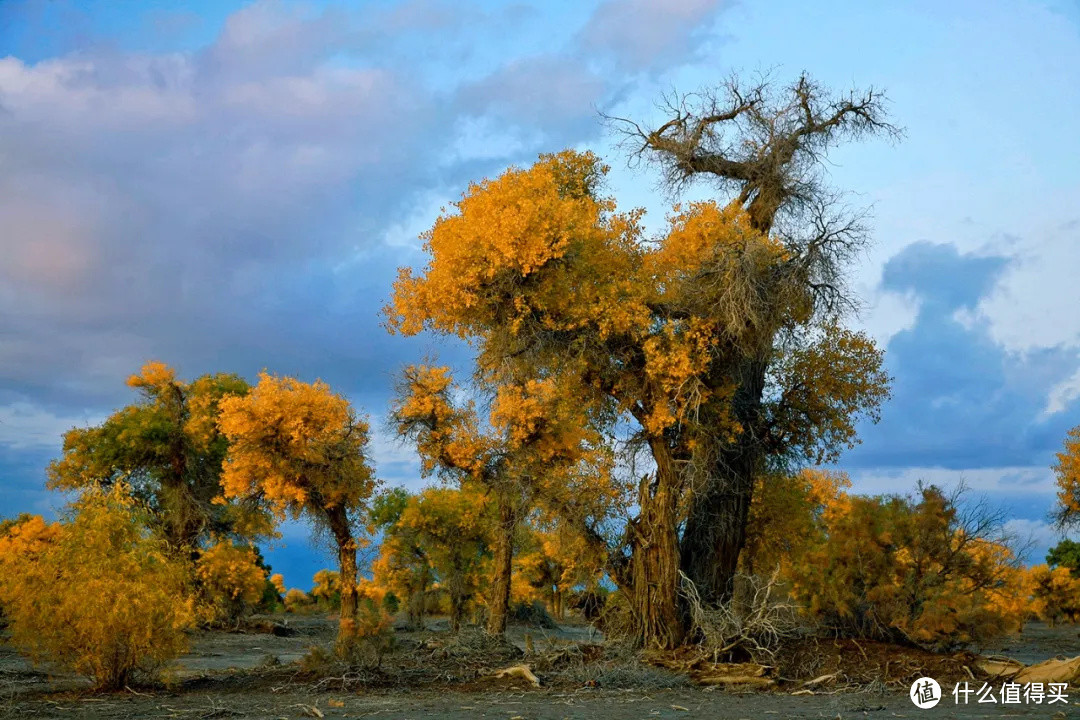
x=721, y=339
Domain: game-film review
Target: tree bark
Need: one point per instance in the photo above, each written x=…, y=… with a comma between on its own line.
x=339, y=526
x=655, y=559
x=715, y=530
x=503, y=567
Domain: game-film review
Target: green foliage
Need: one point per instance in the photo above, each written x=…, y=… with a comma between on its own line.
x=166, y=447
x=1065, y=554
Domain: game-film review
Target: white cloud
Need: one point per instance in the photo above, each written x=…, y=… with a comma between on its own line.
x=1032, y=480
x=1038, y=535
x=1062, y=395
x=1034, y=303
x=887, y=313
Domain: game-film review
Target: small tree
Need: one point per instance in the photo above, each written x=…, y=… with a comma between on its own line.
x=1065, y=554
x=922, y=570
x=453, y=527
x=167, y=448
x=403, y=565
x=537, y=448
x=96, y=594
x=1056, y=593
x=1067, y=474
x=327, y=588
x=296, y=600
x=301, y=448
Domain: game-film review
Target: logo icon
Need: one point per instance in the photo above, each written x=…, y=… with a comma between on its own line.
x=925, y=693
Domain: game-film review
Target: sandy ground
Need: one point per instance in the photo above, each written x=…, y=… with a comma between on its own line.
x=230, y=675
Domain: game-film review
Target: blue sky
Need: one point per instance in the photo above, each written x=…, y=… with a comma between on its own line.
x=229, y=186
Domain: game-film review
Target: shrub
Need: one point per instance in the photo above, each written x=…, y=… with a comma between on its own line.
x=532, y=614
x=327, y=589
x=363, y=641
x=296, y=600
x=231, y=580
x=97, y=594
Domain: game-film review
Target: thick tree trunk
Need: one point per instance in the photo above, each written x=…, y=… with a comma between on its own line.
x=715, y=530
x=503, y=567
x=654, y=571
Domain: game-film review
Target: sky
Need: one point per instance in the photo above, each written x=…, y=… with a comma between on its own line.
x=230, y=186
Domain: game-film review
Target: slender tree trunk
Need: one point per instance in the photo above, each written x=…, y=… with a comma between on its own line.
x=503, y=566
x=654, y=570
x=418, y=604
x=457, y=610
x=339, y=526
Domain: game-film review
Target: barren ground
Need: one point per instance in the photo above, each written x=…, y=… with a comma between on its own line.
x=235, y=675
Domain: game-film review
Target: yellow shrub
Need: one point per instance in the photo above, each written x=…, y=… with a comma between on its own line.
x=912, y=569
x=1057, y=594
x=327, y=589
x=231, y=579
x=365, y=639
x=296, y=600
x=97, y=594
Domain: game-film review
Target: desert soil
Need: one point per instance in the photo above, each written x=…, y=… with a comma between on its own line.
x=255, y=675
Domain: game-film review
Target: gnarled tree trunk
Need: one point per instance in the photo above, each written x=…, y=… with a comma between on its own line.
x=654, y=570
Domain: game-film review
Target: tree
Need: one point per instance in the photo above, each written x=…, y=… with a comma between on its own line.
x=719, y=343
x=555, y=560
x=1067, y=472
x=764, y=147
x=167, y=448
x=96, y=594
x=1065, y=554
x=453, y=527
x=403, y=565
x=300, y=448
x=537, y=447
x=922, y=570
x=326, y=588
x=1056, y=594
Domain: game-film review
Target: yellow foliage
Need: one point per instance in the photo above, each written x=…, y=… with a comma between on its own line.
x=96, y=595
x=327, y=587
x=155, y=445
x=892, y=567
x=296, y=599
x=278, y=581
x=296, y=444
x=231, y=578
x=1056, y=594
x=787, y=517
x=1067, y=472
